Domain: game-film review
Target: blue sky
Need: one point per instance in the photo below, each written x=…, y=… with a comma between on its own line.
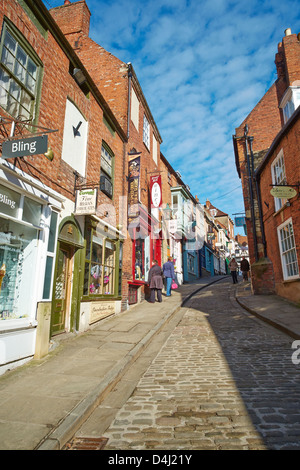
x=203, y=65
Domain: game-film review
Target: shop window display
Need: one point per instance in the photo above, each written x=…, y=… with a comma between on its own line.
x=18, y=251
x=139, y=265
x=19, y=229
x=100, y=268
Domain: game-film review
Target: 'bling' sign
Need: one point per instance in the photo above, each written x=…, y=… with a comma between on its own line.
x=23, y=147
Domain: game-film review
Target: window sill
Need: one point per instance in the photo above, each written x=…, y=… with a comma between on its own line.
x=100, y=298
x=145, y=145
x=10, y=326
x=289, y=281
x=281, y=209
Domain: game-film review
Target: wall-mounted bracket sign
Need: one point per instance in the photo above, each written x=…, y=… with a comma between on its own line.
x=37, y=145
x=86, y=201
x=283, y=192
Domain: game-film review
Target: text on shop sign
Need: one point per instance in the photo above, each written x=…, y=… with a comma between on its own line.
x=24, y=147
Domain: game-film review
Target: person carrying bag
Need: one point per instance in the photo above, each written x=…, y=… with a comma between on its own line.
x=169, y=274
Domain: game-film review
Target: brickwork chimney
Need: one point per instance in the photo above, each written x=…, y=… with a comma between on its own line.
x=72, y=18
x=291, y=46
x=287, y=59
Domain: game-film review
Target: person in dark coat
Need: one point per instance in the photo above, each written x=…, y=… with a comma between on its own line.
x=245, y=267
x=155, y=282
x=169, y=274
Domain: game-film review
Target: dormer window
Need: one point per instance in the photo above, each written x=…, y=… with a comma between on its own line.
x=290, y=102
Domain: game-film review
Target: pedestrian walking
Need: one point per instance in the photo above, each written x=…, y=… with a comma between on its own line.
x=245, y=267
x=169, y=274
x=155, y=282
x=233, y=266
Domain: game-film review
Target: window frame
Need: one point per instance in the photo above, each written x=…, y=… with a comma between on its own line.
x=284, y=253
x=290, y=102
x=50, y=255
x=34, y=96
x=93, y=233
x=146, y=132
x=279, y=202
x=103, y=169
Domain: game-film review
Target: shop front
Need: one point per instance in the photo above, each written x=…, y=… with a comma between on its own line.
x=102, y=272
x=146, y=247
x=28, y=228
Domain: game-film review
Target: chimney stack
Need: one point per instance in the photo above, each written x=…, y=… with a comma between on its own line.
x=73, y=19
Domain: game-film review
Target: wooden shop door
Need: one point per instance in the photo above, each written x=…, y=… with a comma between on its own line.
x=62, y=290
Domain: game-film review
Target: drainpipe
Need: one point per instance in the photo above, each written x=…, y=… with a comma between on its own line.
x=256, y=179
x=251, y=192
x=129, y=96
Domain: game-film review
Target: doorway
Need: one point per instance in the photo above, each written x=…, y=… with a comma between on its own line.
x=62, y=289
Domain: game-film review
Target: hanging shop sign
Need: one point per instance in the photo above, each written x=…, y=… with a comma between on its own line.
x=283, y=192
x=37, y=145
x=86, y=201
x=172, y=225
x=155, y=191
x=240, y=221
x=133, y=184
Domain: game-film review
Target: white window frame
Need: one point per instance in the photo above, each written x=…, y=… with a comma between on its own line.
x=146, y=132
x=290, y=102
x=287, y=247
x=278, y=178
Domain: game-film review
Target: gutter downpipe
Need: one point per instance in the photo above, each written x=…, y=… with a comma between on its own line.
x=251, y=192
x=256, y=179
x=129, y=96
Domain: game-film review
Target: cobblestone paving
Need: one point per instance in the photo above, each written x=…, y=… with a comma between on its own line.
x=222, y=380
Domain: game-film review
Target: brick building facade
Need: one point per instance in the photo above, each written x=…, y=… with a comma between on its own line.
x=267, y=156
x=120, y=87
x=48, y=245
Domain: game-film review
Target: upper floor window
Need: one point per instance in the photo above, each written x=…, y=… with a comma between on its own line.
x=146, y=133
x=278, y=177
x=290, y=102
x=19, y=74
x=288, y=250
x=106, y=178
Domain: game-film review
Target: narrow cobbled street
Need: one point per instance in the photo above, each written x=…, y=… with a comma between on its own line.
x=222, y=380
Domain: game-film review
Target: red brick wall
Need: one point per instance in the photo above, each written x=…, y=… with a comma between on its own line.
x=272, y=219
x=73, y=17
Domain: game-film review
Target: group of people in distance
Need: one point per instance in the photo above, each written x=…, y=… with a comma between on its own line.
x=156, y=278
x=157, y=275
x=233, y=266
